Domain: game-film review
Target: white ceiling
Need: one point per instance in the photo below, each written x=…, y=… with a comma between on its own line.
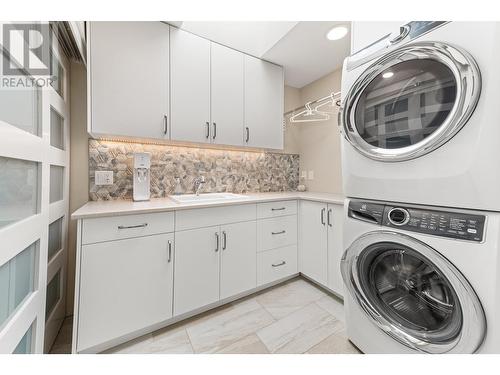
x=301, y=47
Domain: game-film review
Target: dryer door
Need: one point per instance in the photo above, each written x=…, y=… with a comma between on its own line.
x=411, y=101
x=413, y=293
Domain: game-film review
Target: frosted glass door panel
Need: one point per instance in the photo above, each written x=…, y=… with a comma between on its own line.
x=56, y=129
x=18, y=190
x=56, y=183
x=21, y=107
x=53, y=294
x=55, y=237
x=25, y=345
x=4, y=292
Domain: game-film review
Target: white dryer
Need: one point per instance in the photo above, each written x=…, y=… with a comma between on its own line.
x=421, y=279
x=421, y=116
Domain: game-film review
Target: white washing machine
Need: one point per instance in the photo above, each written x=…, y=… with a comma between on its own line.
x=421, y=279
x=421, y=116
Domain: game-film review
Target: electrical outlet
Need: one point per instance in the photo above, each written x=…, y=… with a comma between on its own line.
x=311, y=175
x=104, y=177
x=303, y=174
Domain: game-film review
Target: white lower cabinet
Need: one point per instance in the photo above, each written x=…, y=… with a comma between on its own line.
x=213, y=263
x=238, y=258
x=276, y=264
x=125, y=286
x=196, y=269
x=320, y=243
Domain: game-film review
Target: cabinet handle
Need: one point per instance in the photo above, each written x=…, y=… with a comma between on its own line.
x=248, y=134
x=282, y=263
x=215, y=131
x=323, y=216
x=283, y=231
x=278, y=209
x=328, y=218
x=169, y=251
x=216, y=241
x=208, y=130
x=133, y=226
x=165, y=124
x=224, y=240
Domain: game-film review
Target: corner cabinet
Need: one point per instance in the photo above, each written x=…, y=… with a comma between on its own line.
x=128, y=79
x=151, y=80
x=264, y=95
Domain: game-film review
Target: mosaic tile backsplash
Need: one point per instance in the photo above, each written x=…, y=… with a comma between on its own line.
x=224, y=170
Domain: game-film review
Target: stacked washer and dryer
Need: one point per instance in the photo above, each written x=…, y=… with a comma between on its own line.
x=421, y=169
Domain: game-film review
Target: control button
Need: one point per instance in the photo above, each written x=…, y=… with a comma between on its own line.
x=473, y=231
x=398, y=216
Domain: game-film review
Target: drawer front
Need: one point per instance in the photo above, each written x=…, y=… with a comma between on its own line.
x=276, y=264
x=276, y=232
x=127, y=226
x=206, y=217
x=279, y=208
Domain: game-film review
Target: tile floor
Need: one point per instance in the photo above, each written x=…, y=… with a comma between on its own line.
x=295, y=317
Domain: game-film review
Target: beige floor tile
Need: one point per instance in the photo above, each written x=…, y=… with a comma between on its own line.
x=299, y=331
x=171, y=341
x=335, y=344
x=141, y=345
x=214, y=333
x=334, y=306
x=286, y=299
x=62, y=343
x=248, y=345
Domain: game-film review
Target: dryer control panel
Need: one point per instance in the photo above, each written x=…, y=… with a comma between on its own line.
x=452, y=224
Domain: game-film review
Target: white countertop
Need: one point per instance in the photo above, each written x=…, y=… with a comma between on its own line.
x=127, y=207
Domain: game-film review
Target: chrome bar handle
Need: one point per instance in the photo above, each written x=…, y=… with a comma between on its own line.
x=281, y=232
x=216, y=241
x=323, y=216
x=278, y=209
x=224, y=240
x=165, y=124
x=208, y=130
x=215, y=131
x=169, y=251
x=282, y=263
x=133, y=226
x=247, y=129
x=328, y=217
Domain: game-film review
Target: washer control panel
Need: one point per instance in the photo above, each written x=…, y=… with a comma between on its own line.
x=452, y=224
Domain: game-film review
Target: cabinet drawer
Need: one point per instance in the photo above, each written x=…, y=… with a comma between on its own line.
x=276, y=264
x=276, y=232
x=127, y=226
x=206, y=217
x=273, y=209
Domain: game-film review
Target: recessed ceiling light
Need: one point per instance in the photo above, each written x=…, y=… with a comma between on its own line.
x=336, y=33
x=387, y=75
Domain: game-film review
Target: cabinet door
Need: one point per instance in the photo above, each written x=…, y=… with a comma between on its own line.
x=335, y=248
x=196, y=268
x=129, y=78
x=125, y=286
x=313, y=241
x=239, y=258
x=227, y=95
x=263, y=104
x=189, y=87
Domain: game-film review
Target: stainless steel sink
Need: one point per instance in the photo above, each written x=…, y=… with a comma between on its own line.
x=207, y=197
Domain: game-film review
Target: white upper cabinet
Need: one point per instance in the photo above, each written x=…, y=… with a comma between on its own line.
x=227, y=67
x=263, y=104
x=190, y=87
x=364, y=33
x=129, y=78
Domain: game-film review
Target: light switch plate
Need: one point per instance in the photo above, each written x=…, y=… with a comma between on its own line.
x=311, y=175
x=303, y=174
x=104, y=177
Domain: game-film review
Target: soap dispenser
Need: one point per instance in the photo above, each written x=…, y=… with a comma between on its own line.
x=141, y=186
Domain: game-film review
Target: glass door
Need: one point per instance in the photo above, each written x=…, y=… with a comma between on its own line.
x=413, y=294
x=411, y=101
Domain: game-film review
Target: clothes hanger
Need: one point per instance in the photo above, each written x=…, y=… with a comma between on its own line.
x=309, y=115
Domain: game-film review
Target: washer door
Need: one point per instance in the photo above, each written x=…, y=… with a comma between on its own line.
x=411, y=101
x=413, y=293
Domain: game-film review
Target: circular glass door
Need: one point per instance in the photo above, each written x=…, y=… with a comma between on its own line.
x=411, y=101
x=413, y=293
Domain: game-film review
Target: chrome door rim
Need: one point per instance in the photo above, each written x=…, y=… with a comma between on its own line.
x=473, y=329
x=468, y=79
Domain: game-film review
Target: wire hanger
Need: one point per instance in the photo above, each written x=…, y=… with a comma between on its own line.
x=309, y=115
x=330, y=106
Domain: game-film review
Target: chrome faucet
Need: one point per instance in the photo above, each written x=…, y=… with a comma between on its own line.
x=198, y=181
